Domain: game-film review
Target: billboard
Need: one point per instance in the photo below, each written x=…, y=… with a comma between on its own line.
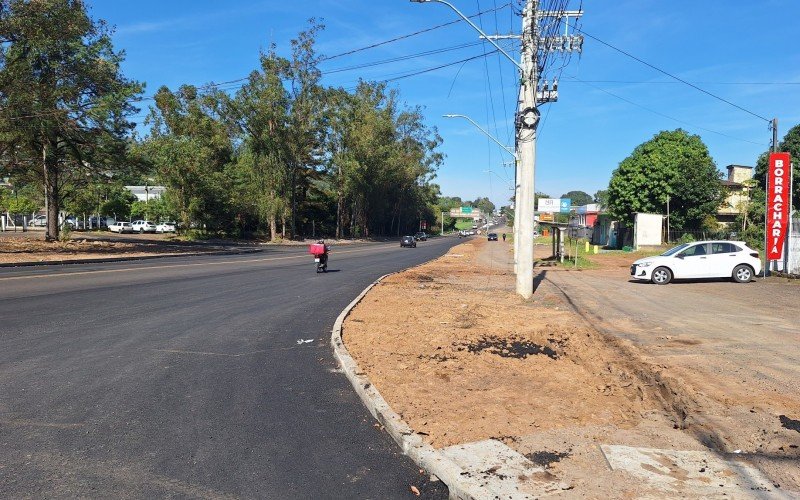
x=779, y=199
x=551, y=205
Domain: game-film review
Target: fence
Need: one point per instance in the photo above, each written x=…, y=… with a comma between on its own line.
x=792, y=261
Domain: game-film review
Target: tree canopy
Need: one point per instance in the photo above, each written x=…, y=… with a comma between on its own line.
x=672, y=165
x=579, y=198
x=63, y=98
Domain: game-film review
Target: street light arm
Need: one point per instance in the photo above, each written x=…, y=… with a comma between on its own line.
x=476, y=28
x=487, y=134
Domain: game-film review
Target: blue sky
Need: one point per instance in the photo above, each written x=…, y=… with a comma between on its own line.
x=743, y=51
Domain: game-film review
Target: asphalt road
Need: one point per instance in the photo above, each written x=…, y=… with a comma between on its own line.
x=184, y=377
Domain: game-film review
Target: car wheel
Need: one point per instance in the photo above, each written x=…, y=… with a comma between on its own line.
x=141, y=231
x=661, y=276
x=742, y=273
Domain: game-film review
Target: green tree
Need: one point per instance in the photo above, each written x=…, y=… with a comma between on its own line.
x=601, y=198
x=673, y=164
x=63, y=98
x=579, y=198
x=484, y=205
x=790, y=144
x=191, y=150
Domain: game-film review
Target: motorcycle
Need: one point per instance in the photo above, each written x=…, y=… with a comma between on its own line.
x=321, y=262
x=320, y=253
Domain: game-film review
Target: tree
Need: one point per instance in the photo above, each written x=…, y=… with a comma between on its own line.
x=790, y=144
x=191, y=150
x=601, y=198
x=484, y=205
x=579, y=198
x=673, y=164
x=63, y=98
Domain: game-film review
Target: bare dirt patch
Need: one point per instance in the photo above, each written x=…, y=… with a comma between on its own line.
x=461, y=358
x=35, y=249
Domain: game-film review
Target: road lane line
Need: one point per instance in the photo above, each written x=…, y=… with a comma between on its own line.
x=174, y=266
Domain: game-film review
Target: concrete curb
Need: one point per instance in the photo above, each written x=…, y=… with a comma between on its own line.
x=410, y=442
x=126, y=259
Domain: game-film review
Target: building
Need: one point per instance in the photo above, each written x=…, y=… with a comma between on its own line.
x=146, y=193
x=737, y=187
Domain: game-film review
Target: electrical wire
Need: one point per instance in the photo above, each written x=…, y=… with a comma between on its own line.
x=664, y=115
x=674, y=76
x=403, y=37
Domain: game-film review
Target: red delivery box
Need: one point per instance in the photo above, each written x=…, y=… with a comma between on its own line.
x=316, y=249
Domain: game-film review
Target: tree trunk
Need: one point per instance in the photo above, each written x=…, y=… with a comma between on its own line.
x=273, y=227
x=50, y=167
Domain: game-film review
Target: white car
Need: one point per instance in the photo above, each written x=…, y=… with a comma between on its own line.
x=121, y=227
x=143, y=226
x=165, y=227
x=701, y=259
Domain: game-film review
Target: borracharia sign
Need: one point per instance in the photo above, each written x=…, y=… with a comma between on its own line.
x=779, y=200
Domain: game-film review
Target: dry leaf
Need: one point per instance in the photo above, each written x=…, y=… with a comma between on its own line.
x=414, y=490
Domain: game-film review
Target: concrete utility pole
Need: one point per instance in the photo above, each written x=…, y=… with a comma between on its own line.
x=527, y=120
x=774, y=149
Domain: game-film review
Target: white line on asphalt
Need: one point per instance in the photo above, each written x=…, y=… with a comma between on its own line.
x=172, y=266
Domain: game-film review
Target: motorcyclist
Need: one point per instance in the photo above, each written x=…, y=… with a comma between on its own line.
x=323, y=259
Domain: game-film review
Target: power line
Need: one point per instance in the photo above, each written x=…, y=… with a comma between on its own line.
x=403, y=37
x=673, y=76
x=401, y=58
x=662, y=114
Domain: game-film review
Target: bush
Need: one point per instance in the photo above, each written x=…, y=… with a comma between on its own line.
x=686, y=238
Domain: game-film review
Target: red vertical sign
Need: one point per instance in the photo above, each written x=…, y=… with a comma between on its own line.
x=778, y=199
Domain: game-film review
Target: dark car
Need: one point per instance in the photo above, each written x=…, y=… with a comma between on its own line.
x=408, y=241
x=492, y=236
x=421, y=236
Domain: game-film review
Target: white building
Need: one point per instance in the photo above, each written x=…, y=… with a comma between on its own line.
x=146, y=193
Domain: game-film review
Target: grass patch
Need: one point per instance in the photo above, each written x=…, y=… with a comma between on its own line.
x=464, y=224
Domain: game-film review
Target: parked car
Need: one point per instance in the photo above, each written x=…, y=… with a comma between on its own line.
x=165, y=227
x=491, y=237
x=74, y=222
x=143, y=226
x=40, y=221
x=121, y=227
x=421, y=236
x=408, y=241
x=702, y=259
x=92, y=222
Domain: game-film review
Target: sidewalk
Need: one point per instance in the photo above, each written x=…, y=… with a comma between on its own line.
x=526, y=397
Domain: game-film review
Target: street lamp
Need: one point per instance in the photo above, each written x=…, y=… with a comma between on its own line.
x=484, y=35
x=508, y=150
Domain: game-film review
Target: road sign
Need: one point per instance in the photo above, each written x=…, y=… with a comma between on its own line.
x=466, y=212
x=551, y=205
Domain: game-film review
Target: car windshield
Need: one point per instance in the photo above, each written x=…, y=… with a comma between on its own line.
x=674, y=250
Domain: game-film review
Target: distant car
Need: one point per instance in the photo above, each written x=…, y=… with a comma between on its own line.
x=121, y=227
x=408, y=241
x=40, y=220
x=421, y=236
x=143, y=226
x=165, y=227
x=702, y=259
x=491, y=237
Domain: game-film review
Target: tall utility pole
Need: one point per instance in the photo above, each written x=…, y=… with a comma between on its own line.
x=527, y=121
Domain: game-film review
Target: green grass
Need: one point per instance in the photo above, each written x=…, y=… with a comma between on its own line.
x=464, y=224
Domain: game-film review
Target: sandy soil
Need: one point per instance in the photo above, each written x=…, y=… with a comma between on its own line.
x=14, y=249
x=462, y=358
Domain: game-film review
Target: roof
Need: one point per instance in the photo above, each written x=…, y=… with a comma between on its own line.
x=732, y=184
x=733, y=165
